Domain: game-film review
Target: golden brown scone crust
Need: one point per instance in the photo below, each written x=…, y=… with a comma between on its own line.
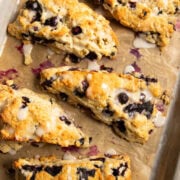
x=167, y=6
x=115, y=167
x=28, y=116
x=66, y=25
x=115, y=99
x=148, y=17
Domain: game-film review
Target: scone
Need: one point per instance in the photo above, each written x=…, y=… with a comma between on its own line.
x=164, y=6
x=115, y=167
x=123, y=101
x=66, y=25
x=152, y=19
x=31, y=117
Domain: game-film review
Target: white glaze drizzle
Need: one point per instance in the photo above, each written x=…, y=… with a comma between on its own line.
x=22, y=113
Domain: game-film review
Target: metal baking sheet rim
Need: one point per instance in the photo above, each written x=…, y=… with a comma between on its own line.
x=162, y=166
x=158, y=171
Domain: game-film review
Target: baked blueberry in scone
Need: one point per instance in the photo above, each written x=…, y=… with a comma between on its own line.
x=151, y=18
x=116, y=167
x=30, y=117
x=127, y=103
x=66, y=25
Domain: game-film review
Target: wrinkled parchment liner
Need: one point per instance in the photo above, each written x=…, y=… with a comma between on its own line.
x=163, y=65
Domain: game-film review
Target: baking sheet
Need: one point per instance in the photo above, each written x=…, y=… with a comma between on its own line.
x=163, y=65
x=167, y=160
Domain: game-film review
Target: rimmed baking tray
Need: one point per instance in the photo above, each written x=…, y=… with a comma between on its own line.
x=158, y=158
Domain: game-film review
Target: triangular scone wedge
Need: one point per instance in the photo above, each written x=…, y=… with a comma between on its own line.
x=93, y=168
x=149, y=18
x=28, y=116
x=123, y=101
x=66, y=25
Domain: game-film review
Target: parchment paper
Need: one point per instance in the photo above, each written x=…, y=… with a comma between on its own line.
x=162, y=64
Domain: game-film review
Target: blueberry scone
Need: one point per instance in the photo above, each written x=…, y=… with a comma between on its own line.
x=66, y=25
x=153, y=20
x=28, y=116
x=125, y=102
x=115, y=167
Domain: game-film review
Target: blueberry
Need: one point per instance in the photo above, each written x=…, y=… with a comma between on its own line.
x=107, y=112
x=82, y=92
x=54, y=170
x=145, y=107
x=125, y=168
x=64, y=118
x=91, y=55
x=132, y=4
x=150, y=131
x=35, y=144
x=25, y=101
x=91, y=172
x=76, y=30
x=33, y=5
x=84, y=173
x=120, y=171
x=121, y=126
x=74, y=58
x=37, y=17
x=123, y=98
x=122, y=3
x=63, y=96
x=53, y=21
x=35, y=39
x=142, y=97
x=108, y=69
x=148, y=107
x=79, y=93
x=131, y=108
x=98, y=2
x=25, y=36
x=35, y=28
x=154, y=80
x=176, y=10
x=32, y=168
x=115, y=172
x=24, y=105
x=85, y=85
x=150, y=80
x=160, y=12
x=113, y=53
x=145, y=13
x=47, y=83
x=81, y=141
